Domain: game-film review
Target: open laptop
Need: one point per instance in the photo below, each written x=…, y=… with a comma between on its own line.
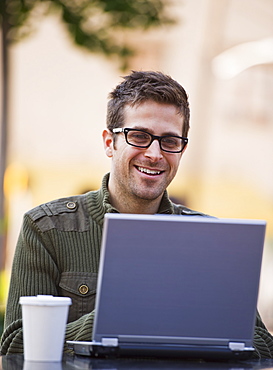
x=182, y=286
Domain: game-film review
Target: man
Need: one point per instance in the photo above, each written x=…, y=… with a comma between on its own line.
x=59, y=244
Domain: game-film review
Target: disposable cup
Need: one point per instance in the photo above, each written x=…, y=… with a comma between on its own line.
x=34, y=365
x=44, y=322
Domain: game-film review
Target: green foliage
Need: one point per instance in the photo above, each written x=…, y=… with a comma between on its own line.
x=96, y=25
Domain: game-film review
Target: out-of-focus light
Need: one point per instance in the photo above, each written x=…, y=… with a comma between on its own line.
x=16, y=179
x=238, y=58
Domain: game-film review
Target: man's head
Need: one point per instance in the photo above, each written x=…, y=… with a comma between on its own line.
x=147, y=125
x=139, y=87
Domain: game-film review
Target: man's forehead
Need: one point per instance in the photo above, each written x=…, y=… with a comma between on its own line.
x=168, y=114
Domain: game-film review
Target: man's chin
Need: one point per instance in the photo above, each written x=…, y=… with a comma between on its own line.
x=148, y=190
x=149, y=195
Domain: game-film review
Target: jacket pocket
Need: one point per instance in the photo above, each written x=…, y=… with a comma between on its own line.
x=81, y=288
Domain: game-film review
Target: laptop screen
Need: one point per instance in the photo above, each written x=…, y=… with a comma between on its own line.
x=178, y=278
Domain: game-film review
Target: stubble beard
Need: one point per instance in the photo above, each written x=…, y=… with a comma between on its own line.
x=146, y=192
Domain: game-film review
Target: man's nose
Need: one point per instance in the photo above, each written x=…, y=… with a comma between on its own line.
x=153, y=151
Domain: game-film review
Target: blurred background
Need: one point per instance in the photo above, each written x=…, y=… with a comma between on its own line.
x=220, y=51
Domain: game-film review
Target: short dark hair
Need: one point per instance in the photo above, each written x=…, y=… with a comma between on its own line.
x=140, y=86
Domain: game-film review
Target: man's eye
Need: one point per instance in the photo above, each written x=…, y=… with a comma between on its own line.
x=170, y=141
x=139, y=136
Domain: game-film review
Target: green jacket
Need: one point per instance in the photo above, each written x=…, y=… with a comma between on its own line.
x=58, y=253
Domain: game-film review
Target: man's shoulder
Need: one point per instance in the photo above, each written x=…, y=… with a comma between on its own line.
x=185, y=211
x=67, y=214
x=58, y=206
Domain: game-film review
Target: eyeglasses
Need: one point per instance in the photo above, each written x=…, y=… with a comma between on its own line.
x=143, y=139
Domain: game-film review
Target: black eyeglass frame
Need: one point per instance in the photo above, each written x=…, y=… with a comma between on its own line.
x=125, y=130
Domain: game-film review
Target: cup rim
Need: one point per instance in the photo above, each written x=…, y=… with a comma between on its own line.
x=45, y=300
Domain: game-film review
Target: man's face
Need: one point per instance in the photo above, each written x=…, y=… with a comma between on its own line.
x=144, y=173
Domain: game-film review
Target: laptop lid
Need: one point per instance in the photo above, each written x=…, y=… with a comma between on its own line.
x=178, y=280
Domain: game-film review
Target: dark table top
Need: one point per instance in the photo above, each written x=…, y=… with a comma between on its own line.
x=16, y=362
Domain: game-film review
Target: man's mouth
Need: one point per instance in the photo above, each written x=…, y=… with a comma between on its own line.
x=148, y=171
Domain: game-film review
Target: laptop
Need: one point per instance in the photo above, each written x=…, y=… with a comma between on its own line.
x=176, y=286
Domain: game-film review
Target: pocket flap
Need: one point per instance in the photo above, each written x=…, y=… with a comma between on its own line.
x=79, y=283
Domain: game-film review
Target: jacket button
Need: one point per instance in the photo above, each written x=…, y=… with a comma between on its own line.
x=83, y=289
x=71, y=205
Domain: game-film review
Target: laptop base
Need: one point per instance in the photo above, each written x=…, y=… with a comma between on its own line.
x=214, y=353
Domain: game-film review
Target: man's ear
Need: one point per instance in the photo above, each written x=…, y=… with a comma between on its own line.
x=108, y=142
x=184, y=149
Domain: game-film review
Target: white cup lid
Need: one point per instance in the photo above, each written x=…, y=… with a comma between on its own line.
x=45, y=300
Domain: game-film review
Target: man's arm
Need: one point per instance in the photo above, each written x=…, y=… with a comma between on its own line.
x=12, y=339
x=35, y=271
x=263, y=340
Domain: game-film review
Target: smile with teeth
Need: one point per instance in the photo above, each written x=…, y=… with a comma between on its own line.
x=149, y=172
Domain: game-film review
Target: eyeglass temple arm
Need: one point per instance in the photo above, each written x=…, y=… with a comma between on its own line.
x=117, y=130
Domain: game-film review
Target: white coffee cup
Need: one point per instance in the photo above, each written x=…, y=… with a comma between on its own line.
x=34, y=365
x=44, y=323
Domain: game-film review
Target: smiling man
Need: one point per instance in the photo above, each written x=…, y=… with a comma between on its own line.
x=148, y=123
x=59, y=245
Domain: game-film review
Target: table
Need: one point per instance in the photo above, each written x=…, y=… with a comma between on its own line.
x=16, y=362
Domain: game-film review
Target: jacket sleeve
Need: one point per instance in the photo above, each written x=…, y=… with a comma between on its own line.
x=34, y=272
x=263, y=340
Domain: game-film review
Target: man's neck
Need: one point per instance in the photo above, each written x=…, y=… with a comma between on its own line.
x=141, y=206
x=125, y=201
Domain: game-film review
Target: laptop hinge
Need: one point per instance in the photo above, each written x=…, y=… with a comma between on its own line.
x=109, y=342
x=236, y=346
